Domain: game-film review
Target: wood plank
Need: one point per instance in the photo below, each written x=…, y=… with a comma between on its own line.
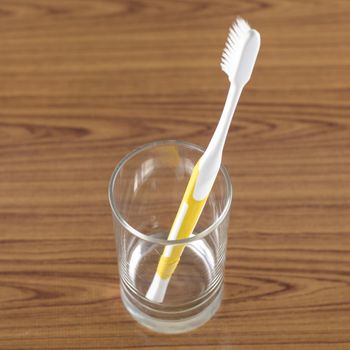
x=84, y=82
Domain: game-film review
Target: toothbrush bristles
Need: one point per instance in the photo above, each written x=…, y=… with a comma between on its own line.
x=234, y=43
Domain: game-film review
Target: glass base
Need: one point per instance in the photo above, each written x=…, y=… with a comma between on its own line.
x=172, y=326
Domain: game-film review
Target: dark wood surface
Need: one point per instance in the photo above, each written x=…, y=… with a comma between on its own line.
x=84, y=82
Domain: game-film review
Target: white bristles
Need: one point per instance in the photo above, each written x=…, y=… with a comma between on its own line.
x=237, y=36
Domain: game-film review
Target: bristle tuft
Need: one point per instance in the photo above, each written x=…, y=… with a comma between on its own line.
x=237, y=34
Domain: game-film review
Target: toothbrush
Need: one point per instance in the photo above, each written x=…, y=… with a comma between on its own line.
x=238, y=59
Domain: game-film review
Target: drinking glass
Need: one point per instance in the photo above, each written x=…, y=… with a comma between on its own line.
x=145, y=191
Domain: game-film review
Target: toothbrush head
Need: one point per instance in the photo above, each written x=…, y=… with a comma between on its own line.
x=240, y=52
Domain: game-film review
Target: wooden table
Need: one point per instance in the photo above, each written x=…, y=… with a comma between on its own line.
x=84, y=82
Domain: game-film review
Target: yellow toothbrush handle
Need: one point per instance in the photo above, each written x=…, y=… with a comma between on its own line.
x=184, y=224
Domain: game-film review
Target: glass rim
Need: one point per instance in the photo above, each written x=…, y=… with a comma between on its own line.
x=117, y=214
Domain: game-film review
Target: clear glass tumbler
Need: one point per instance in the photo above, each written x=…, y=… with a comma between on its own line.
x=145, y=191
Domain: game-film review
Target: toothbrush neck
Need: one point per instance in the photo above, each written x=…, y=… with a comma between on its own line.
x=217, y=142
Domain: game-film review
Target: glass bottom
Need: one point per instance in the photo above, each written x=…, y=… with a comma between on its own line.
x=194, y=293
x=173, y=326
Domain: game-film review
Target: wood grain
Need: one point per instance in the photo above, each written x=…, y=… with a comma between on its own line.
x=84, y=82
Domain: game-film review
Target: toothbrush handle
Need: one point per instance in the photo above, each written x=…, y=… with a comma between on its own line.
x=194, y=199
x=184, y=224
